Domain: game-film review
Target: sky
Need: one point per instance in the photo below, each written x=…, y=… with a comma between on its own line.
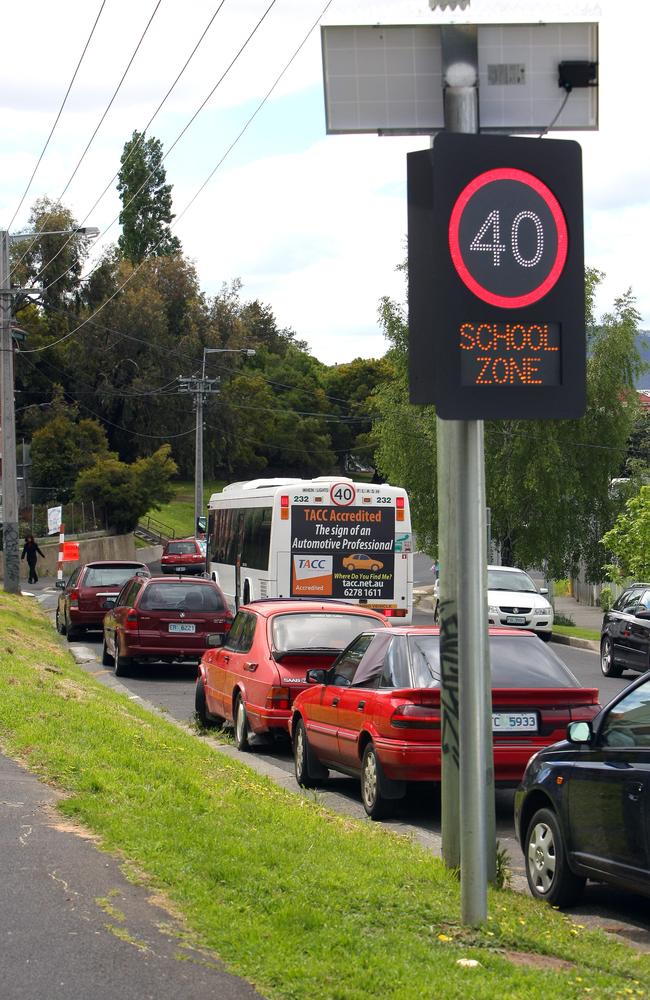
x=313, y=225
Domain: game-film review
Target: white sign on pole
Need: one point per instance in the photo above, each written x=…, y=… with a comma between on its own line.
x=54, y=515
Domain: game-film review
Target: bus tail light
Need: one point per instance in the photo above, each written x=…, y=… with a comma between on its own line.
x=393, y=612
x=278, y=697
x=284, y=507
x=399, y=508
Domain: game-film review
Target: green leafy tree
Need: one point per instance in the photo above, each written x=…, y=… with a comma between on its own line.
x=629, y=539
x=547, y=481
x=637, y=459
x=60, y=450
x=146, y=201
x=126, y=491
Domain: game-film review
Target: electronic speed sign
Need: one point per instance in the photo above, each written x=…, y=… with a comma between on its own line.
x=496, y=278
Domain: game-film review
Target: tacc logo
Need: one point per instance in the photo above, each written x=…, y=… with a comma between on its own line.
x=321, y=564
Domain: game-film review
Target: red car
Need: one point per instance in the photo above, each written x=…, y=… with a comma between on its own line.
x=163, y=620
x=183, y=555
x=253, y=679
x=376, y=712
x=85, y=596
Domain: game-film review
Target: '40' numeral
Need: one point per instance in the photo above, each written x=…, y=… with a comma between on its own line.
x=492, y=228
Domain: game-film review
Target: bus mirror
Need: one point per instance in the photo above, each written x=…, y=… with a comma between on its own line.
x=201, y=525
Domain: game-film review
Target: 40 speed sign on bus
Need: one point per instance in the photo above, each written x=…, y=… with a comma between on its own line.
x=496, y=278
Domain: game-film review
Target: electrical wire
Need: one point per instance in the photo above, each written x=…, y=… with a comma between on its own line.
x=193, y=199
x=56, y=120
x=561, y=109
x=134, y=146
x=97, y=128
x=173, y=145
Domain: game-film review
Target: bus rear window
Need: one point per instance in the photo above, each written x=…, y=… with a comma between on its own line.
x=318, y=630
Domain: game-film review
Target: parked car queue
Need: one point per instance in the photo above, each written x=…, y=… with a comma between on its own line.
x=359, y=697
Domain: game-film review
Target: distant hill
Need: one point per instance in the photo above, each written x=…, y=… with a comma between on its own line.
x=643, y=345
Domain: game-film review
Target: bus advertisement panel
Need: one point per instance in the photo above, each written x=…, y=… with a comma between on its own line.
x=343, y=552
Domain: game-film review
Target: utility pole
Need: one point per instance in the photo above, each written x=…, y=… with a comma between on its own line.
x=199, y=387
x=9, y=475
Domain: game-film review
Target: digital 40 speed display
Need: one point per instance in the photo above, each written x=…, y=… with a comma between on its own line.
x=496, y=278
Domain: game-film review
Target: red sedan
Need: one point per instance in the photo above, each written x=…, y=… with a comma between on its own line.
x=253, y=679
x=162, y=619
x=376, y=712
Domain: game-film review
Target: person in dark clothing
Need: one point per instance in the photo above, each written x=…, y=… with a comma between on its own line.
x=32, y=552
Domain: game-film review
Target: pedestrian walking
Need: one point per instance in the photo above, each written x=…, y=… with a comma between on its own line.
x=31, y=551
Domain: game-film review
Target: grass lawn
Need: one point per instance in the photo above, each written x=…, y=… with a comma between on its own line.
x=179, y=512
x=301, y=901
x=579, y=633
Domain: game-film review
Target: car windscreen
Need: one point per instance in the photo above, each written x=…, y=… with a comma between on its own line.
x=181, y=549
x=516, y=662
x=181, y=597
x=520, y=582
x=318, y=630
x=110, y=576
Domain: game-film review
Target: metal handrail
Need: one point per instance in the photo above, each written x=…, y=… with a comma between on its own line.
x=155, y=527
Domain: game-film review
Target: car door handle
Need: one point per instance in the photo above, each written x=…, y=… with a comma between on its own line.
x=634, y=790
x=225, y=659
x=248, y=665
x=335, y=702
x=361, y=706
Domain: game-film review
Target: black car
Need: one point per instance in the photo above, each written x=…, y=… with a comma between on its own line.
x=625, y=635
x=582, y=810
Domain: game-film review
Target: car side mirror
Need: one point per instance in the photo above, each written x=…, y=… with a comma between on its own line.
x=641, y=612
x=543, y=591
x=60, y=585
x=215, y=639
x=316, y=675
x=579, y=732
x=110, y=602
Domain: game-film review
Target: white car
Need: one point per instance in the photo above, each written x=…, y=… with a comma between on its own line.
x=514, y=600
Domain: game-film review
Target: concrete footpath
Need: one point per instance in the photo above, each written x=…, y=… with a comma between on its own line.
x=72, y=927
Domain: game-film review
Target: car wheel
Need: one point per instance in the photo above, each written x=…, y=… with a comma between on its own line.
x=607, y=664
x=242, y=729
x=547, y=870
x=372, y=778
x=60, y=624
x=123, y=664
x=71, y=632
x=309, y=771
x=107, y=659
x=201, y=707
x=545, y=636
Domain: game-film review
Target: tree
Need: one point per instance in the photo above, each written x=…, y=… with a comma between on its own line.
x=60, y=450
x=629, y=539
x=637, y=459
x=127, y=492
x=547, y=481
x=146, y=201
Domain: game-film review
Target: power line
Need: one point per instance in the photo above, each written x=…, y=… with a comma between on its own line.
x=193, y=199
x=56, y=120
x=175, y=142
x=97, y=127
x=135, y=145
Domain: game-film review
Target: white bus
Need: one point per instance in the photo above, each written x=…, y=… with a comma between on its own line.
x=322, y=538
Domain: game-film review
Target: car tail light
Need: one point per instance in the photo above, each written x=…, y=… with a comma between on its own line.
x=278, y=697
x=584, y=713
x=416, y=717
x=74, y=599
x=131, y=620
x=284, y=507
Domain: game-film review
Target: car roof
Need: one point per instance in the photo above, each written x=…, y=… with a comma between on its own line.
x=176, y=577
x=114, y=564
x=435, y=630
x=509, y=569
x=274, y=606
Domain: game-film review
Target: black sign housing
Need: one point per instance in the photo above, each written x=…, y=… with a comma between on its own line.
x=496, y=278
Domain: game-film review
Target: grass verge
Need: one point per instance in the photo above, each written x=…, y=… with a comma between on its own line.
x=579, y=633
x=179, y=512
x=303, y=902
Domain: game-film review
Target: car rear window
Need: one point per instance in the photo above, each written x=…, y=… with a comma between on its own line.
x=318, y=630
x=110, y=576
x=516, y=662
x=181, y=549
x=181, y=597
